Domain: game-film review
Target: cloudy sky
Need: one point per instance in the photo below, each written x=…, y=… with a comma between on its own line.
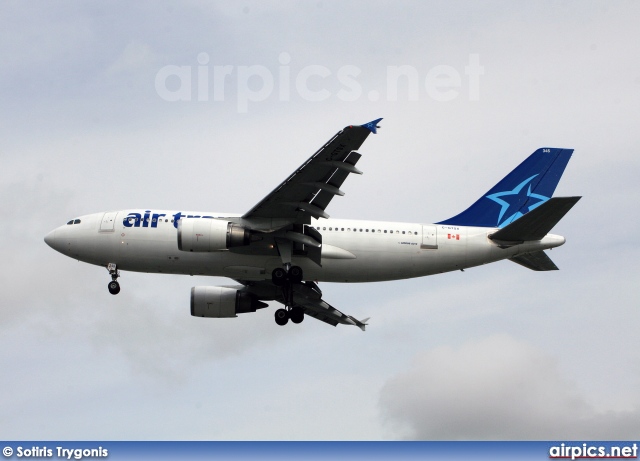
x=208, y=106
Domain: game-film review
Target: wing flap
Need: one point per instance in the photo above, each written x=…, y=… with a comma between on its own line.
x=337, y=178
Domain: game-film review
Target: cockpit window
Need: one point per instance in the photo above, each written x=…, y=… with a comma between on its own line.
x=76, y=221
x=70, y=222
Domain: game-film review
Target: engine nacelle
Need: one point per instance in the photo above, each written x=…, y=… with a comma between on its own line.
x=206, y=234
x=221, y=302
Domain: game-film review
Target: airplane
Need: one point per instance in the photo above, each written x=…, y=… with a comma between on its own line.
x=282, y=247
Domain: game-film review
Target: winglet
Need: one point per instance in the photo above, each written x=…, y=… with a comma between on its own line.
x=372, y=126
x=361, y=323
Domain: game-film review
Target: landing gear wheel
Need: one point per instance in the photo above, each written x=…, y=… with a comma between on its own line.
x=295, y=274
x=282, y=317
x=114, y=287
x=296, y=314
x=279, y=276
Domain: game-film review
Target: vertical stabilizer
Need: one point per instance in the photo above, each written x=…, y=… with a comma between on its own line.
x=528, y=186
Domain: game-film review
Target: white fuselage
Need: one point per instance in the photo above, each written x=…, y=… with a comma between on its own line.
x=352, y=250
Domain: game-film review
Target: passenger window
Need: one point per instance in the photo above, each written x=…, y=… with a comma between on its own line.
x=403, y=232
x=385, y=231
x=76, y=221
x=330, y=229
x=342, y=229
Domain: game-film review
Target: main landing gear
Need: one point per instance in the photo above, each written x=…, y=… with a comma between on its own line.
x=114, y=286
x=285, y=277
x=295, y=313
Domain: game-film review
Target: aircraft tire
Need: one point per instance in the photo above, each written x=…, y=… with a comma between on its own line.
x=282, y=317
x=279, y=276
x=295, y=274
x=114, y=287
x=296, y=314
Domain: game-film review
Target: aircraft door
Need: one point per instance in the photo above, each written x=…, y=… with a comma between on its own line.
x=429, y=237
x=108, y=221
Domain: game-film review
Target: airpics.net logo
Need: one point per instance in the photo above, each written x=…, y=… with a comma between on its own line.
x=254, y=84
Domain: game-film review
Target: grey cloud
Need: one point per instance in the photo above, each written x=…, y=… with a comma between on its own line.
x=496, y=388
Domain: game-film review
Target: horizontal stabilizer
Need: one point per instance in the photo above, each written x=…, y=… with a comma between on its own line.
x=538, y=222
x=536, y=261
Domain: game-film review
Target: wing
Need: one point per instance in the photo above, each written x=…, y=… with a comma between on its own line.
x=308, y=191
x=306, y=295
x=309, y=297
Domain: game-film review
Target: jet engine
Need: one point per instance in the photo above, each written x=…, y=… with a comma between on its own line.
x=205, y=234
x=222, y=302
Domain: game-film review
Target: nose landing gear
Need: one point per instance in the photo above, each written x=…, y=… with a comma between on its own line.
x=285, y=277
x=114, y=286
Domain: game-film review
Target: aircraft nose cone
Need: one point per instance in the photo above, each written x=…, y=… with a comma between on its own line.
x=50, y=239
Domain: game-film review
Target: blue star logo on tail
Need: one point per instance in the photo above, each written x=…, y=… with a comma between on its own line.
x=512, y=201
